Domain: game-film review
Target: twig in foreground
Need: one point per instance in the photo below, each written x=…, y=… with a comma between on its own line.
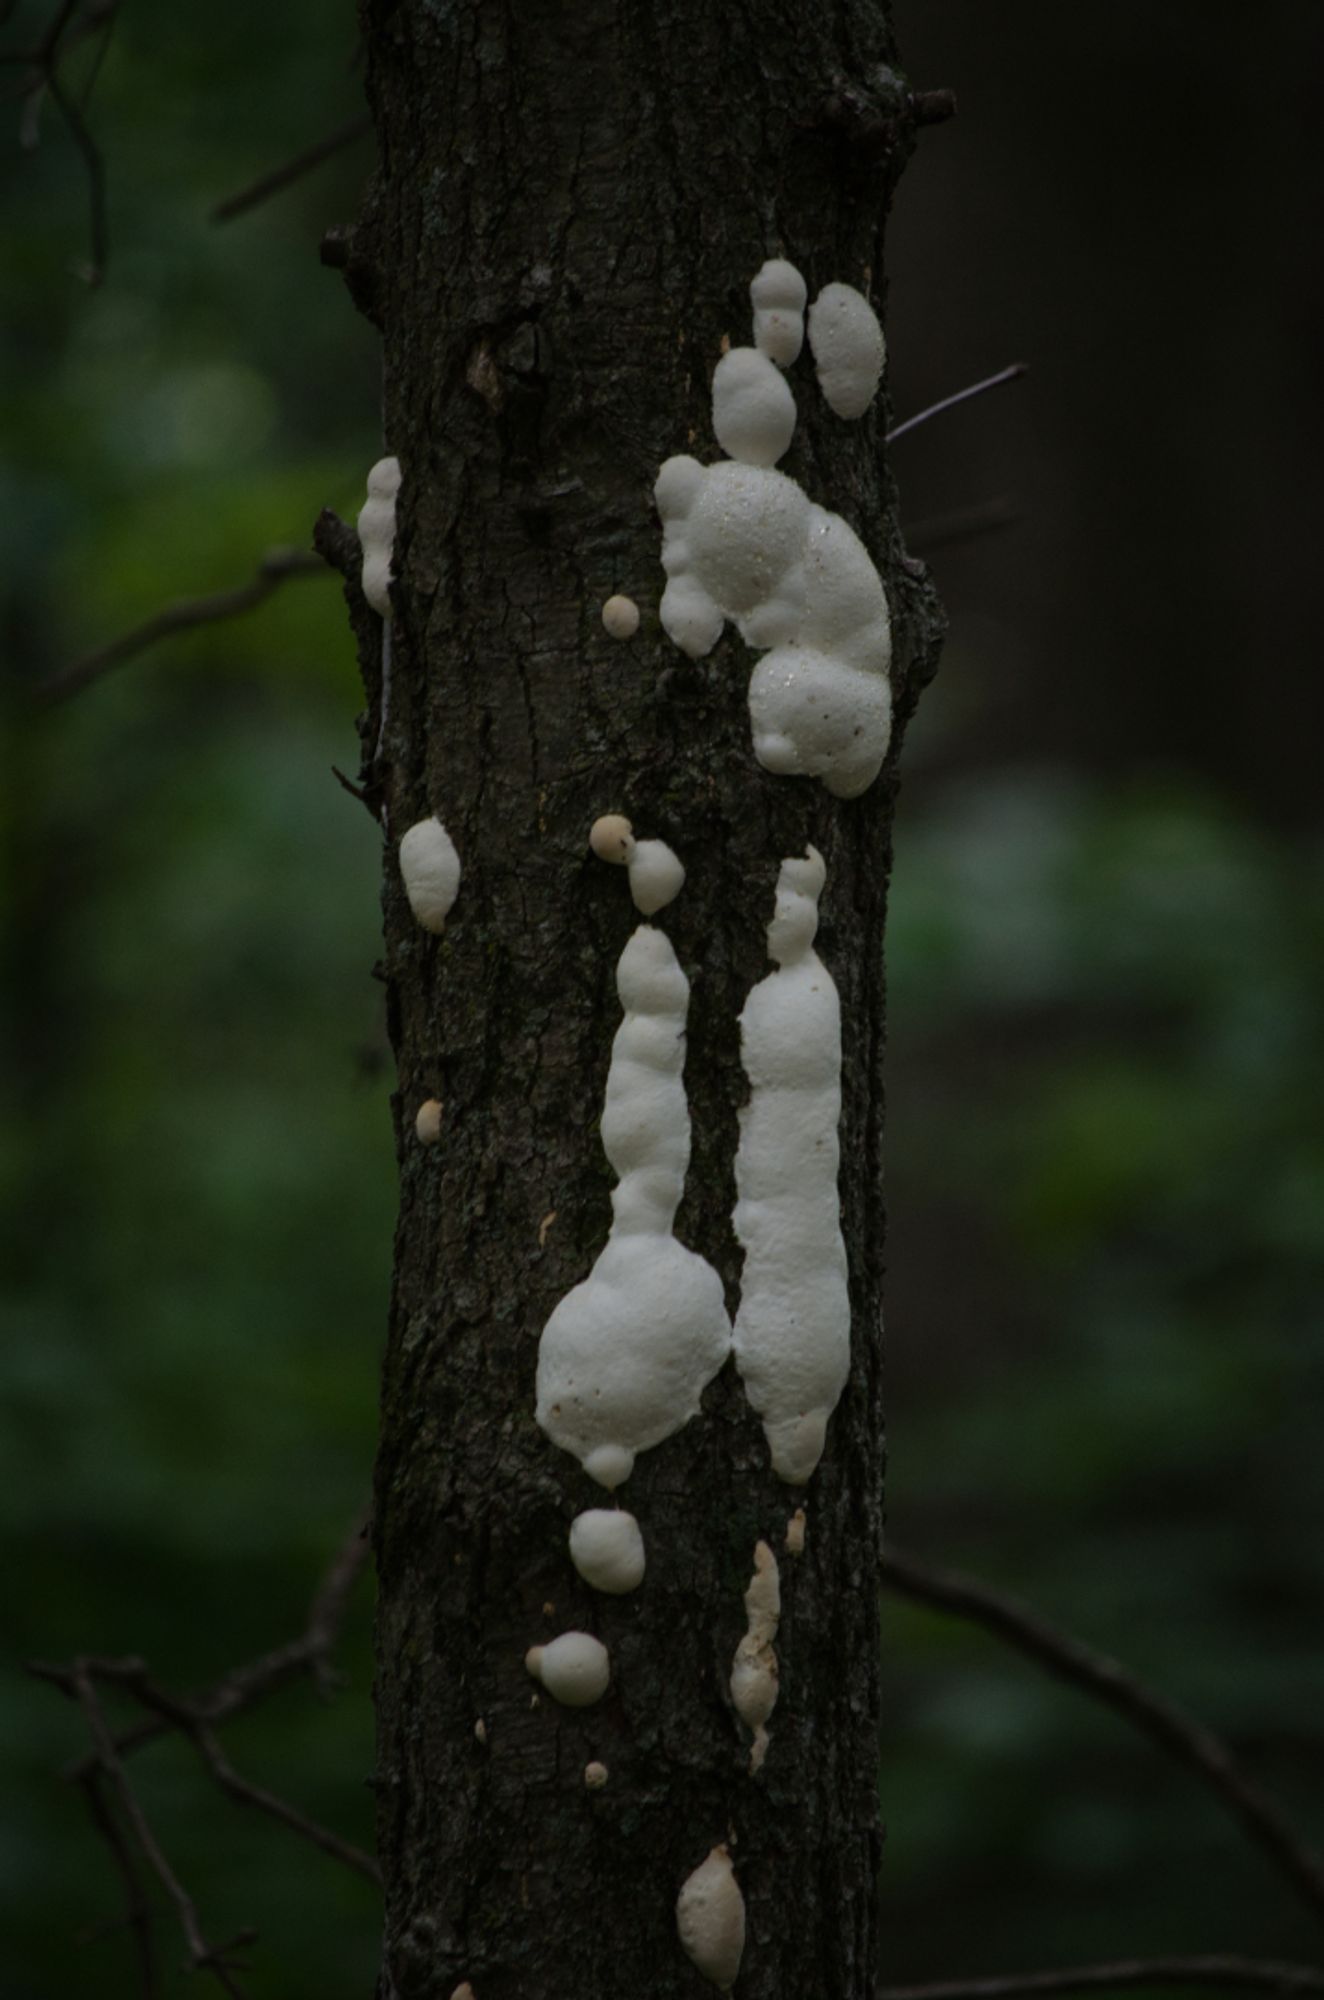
x=1010, y=374
x=1210, y=1969
x=275, y=568
x=1162, y=1721
x=279, y=178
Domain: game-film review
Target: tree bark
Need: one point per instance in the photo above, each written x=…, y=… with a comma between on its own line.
x=571, y=201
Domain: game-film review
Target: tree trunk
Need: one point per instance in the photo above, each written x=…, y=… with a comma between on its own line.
x=572, y=199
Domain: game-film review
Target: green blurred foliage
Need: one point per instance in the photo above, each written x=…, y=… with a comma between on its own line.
x=1106, y=1157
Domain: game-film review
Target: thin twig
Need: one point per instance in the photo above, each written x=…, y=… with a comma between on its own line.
x=137, y=1912
x=279, y=178
x=1259, y=1816
x=1010, y=374
x=275, y=568
x=99, y=223
x=1212, y=1969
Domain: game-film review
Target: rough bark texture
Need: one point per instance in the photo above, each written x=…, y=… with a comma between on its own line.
x=572, y=199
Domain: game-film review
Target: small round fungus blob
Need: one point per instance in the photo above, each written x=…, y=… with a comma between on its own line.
x=428, y=1122
x=657, y=876
x=612, y=838
x=795, y=1533
x=620, y=616
x=430, y=869
x=710, y=1917
x=848, y=347
x=778, y=296
x=753, y=409
x=574, y=1669
x=595, y=1775
x=480, y=1731
x=607, y=1549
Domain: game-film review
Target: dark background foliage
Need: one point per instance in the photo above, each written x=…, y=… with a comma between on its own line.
x=1106, y=1155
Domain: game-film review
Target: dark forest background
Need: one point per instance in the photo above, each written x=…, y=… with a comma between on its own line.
x=1106, y=955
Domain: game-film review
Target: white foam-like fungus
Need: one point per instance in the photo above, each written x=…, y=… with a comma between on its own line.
x=777, y=294
x=427, y=1122
x=626, y=1355
x=574, y=1668
x=607, y=1549
x=710, y=1918
x=377, y=533
x=754, y=1669
x=792, y=1330
x=741, y=541
x=848, y=348
x=656, y=874
x=430, y=870
x=620, y=617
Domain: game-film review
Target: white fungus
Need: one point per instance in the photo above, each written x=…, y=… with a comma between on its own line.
x=607, y=1549
x=741, y=541
x=480, y=1731
x=595, y=1775
x=754, y=1669
x=778, y=295
x=427, y=1124
x=627, y=1353
x=657, y=875
x=377, y=533
x=848, y=348
x=795, y=1533
x=710, y=1917
x=463, y=1992
x=620, y=616
x=574, y=1669
x=792, y=1331
x=753, y=409
x=430, y=870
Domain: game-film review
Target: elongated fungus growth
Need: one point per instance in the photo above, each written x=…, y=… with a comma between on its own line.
x=626, y=1355
x=574, y=1669
x=848, y=348
x=427, y=1124
x=657, y=876
x=778, y=295
x=792, y=1331
x=795, y=1533
x=754, y=1669
x=463, y=1992
x=607, y=1549
x=377, y=533
x=741, y=541
x=710, y=1917
x=620, y=616
x=595, y=1775
x=430, y=870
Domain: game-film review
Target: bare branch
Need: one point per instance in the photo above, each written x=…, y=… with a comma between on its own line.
x=276, y=567
x=1188, y=1741
x=279, y=178
x=136, y=1908
x=1011, y=374
x=1216, y=1969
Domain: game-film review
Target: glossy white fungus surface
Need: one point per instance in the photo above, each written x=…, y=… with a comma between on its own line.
x=620, y=617
x=626, y=1355
x=754, y=1669
x=657, y=876
x=607, y=1549
x=753, y=408
x=848, y=348
x=710, y=1918
x=792, y=1330
x=430, y=870
x=778, y=295
x=574, y=1669
x=377, y=533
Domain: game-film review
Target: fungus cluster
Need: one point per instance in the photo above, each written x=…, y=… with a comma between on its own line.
x=741, y=541
x=656, y=874
x=754, y=1669
x=710, y=1917
x=574, y=1669
x=430, y=871
x=792, y=1330
x=626, y=1355
x=377, y=533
